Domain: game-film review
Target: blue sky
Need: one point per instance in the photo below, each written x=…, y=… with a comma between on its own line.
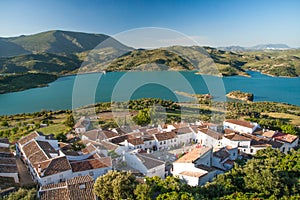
x=211, y=22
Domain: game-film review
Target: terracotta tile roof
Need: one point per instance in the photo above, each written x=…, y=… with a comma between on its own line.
x=108, y=145
x=119, y=139
x=6, y=155
x=221, y=153
x=183, y=130
x=89, y=164
x=237, y=137
x=197, y=174
x=285, y=137
x=4, y=150
x=57, y=165
x=93, y=135
x=269, y=134
x=136, y=141
x=109, y=134
x=34, y=153
x=228, y=131
x=241, y=123
x=8, y=169
x=193, y=155
x=148, y=137
x=7, y=161
x=212, y=133
x=4, y=140
x=165, y=136
x=149, y=161
x=152, y=131
x=89, y=149
x=46, y=147
x=77, y=188
x=29, y=137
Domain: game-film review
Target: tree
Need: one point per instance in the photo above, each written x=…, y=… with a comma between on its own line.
x=61, y=137
x=290, y=129
x=175, y=196
x=115, y=185
x=22, y=194
x=4, y=123
x=70, y=121
x=142, y=118
x=143, y=192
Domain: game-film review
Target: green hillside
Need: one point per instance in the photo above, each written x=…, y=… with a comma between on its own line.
x=55, y=41
x=19, y=82
x=42, y=62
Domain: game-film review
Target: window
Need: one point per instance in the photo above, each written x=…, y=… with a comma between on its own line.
x=164, y=142
x=150, y=142
x=251, y=150
x=160, y=143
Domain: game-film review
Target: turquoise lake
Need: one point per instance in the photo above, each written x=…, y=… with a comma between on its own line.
x=75, y=91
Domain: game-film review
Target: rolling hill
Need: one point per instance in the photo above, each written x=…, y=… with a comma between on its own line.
x=59, y=53
x=52, y=42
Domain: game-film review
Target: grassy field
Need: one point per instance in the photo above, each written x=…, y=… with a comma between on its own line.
x=292, y=119
x=54, y=128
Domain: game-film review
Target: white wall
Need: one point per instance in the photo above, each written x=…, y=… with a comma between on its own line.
x=133, y=161
x=55, y=178
x=239, y=128
x=206, y=140
x=13, y=175
x=4, y=145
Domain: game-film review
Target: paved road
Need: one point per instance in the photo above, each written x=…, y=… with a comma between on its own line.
x=25, y=177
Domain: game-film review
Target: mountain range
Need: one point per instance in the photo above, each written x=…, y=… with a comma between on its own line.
x=56, y=53
x=260, y=47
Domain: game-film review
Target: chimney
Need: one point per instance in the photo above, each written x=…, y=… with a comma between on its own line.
x=39, y=169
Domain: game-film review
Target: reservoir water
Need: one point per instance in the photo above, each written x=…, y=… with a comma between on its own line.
x=119, y=86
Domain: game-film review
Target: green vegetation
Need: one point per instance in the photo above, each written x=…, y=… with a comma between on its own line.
x=40, y=63
x=115, y=185
x=56, y=42
x=153, y=111
x=269, y=175
x=243, y=96
x=22, y=194
x=19, y=82
x=62, y=52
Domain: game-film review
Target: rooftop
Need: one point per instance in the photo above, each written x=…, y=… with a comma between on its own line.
x=149, y=161
x=193, y=155
x=240, y=123
x=136, y=141
x=221, y=153
x=4, y=140
x=237, y=137
x=53, y=166
x=212, y=133
x=285, y=137
x=88, y=164
x=165, y=136
x=29, y=137
x=196, y=174
x=80, y=187
x=183, y=130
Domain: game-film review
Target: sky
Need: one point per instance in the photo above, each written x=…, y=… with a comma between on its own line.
x=211, y=22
